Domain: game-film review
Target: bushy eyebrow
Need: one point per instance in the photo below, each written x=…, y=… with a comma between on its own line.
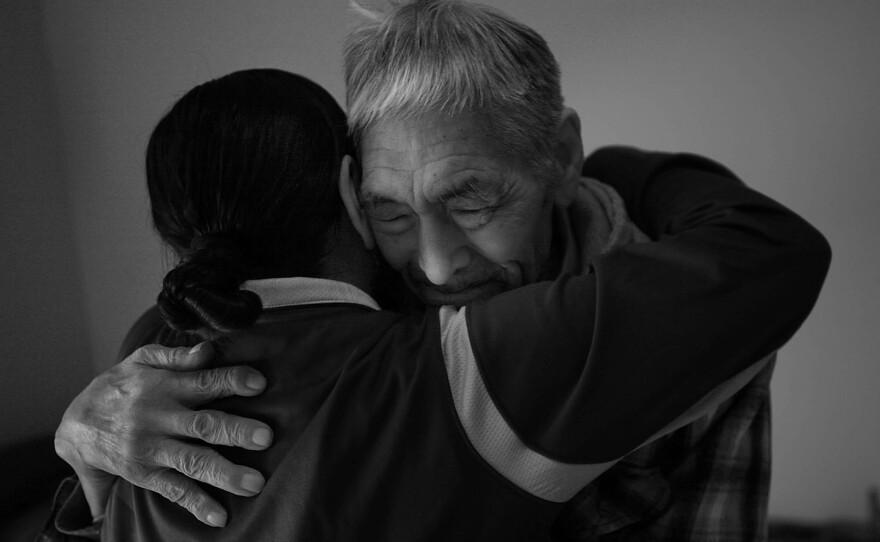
x=472, y=188
x=373, y=200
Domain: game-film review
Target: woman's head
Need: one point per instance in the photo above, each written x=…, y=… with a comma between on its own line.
x=243, y=174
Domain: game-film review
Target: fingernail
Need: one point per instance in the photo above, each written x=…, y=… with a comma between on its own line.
x=256, y=382
x=195, y=349
x=262, y=437
x=252, y=483
x=217, y=519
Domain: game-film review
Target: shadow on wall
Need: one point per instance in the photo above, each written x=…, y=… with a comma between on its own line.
x=44, y=346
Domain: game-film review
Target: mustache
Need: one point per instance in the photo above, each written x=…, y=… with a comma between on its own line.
x=473, y=277
x=454, y=287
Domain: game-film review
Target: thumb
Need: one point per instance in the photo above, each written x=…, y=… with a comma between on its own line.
x=174, y=359
x=96, y=486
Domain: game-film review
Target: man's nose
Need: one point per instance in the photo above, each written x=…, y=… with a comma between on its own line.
x=442, y=249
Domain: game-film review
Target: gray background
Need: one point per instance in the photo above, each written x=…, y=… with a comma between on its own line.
x=786, y=93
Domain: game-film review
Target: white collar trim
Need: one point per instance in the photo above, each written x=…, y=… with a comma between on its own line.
x=293, y=291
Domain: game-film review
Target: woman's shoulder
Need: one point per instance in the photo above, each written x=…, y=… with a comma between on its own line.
x=150, y=328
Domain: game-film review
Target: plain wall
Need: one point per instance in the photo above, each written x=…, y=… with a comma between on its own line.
x=44, y=346
x=784, y=93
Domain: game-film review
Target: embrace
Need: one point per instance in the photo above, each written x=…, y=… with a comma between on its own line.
x=433, y=318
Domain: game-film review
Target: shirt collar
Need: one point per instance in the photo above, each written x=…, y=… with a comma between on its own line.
x=293, y=291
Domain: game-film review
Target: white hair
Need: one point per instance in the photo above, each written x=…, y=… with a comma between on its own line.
x=453, y=57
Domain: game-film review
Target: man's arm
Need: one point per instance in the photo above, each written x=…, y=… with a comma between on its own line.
x=622, y=351
x=137, y=420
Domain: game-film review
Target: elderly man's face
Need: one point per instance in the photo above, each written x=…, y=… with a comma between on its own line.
x=458, y=219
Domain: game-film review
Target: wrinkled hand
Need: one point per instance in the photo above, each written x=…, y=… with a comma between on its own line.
x=135, y=421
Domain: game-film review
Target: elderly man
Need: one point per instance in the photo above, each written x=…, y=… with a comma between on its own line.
x=466, y=152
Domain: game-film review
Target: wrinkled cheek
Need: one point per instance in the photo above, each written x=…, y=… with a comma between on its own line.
x=524, y=249
x=397, y=250
x=507, y=247
x=494, y=243
x=541, y=246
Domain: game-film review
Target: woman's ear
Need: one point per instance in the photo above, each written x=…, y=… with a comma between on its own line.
x=569, y=151
x=349, y=180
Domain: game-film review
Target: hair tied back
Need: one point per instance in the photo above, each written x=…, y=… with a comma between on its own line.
x=204, y=291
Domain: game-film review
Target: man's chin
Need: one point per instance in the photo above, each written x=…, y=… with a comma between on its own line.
x=434, y=297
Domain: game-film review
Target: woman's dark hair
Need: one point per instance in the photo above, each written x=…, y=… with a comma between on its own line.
x=243, y=180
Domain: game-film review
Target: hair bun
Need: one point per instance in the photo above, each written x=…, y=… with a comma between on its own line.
x=203, y=291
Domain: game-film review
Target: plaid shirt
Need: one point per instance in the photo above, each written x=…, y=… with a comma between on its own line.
x=707, y=481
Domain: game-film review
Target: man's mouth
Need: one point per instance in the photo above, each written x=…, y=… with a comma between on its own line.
x=435, y=295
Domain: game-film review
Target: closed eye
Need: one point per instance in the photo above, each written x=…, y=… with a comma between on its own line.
x=469, y=212
x=390, y=223
x=390, y=219
x=472, y=218
x=386, y=211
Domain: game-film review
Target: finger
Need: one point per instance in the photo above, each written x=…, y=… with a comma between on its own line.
x=198, y=387
x=215, y=427
x=181, y=490
x=206, y=465
x=96, y=486
x=174, y=359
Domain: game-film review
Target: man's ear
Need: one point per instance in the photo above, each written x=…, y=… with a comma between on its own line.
x=569, y=151
x=349, y=180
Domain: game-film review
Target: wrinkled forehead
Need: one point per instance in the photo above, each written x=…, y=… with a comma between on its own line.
x=435, y=133
x=434, y=155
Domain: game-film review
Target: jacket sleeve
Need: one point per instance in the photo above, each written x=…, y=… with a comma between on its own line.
x=585, y=368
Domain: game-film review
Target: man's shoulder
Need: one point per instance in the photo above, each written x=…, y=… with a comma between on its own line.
x=644, y=178
x=591, y=219
x=615, y=162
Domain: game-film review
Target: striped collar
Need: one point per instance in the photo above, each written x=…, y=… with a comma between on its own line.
x=293, y=291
